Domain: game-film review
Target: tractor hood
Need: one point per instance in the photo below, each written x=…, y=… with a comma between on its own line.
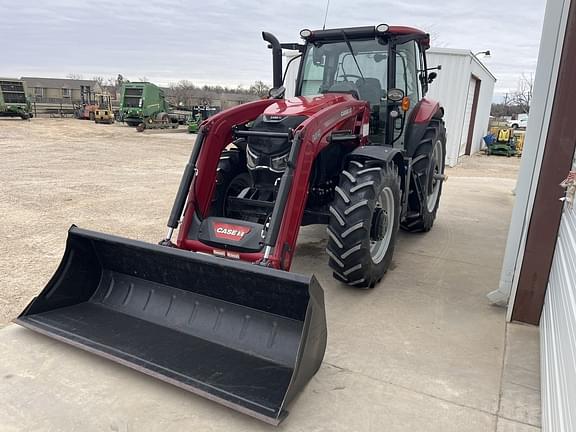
x=280, y=117
x=306, y=105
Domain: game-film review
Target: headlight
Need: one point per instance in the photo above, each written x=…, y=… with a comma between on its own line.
x=251, y=159
x=279, y=163
x=276, y=164
x=382, y=28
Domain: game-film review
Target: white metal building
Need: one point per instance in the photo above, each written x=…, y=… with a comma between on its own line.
x=538, y=280
x=465, y=88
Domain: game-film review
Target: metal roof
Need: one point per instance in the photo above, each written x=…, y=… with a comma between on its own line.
x=461, y=52
x=58, y=82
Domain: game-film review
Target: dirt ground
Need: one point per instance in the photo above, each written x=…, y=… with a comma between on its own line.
x=58, y=172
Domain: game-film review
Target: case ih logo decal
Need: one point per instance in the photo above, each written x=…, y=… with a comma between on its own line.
x=230, y=232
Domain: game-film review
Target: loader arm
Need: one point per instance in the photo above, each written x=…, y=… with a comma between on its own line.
x=313, y=135
x=215, y=135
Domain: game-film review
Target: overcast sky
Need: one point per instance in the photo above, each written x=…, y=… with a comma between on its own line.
x=218, y=42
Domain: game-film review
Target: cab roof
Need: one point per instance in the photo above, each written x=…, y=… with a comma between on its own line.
x=369, y=32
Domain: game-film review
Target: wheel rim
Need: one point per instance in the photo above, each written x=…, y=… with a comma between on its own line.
x=382, y=225
x=435, y=182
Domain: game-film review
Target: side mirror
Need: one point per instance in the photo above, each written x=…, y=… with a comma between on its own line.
x=432, y=76
x=277, y=93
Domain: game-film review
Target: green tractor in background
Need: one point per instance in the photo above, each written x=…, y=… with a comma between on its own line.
x=200, y=113
x=143, y=104
x=13, y=100
x=501, y=143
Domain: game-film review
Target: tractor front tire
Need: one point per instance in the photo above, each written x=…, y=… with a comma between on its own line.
x=429, y=163
x=231, y=178
x=364, y=221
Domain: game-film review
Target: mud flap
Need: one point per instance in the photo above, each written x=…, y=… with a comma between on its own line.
x=246, y=336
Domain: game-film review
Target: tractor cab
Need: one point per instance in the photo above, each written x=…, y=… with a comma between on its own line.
x=382, y=65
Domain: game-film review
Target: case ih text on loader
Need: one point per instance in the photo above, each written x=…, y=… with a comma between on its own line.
x=359, y=149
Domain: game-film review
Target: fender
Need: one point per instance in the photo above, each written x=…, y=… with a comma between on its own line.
x=382, y=153
x=426, y=110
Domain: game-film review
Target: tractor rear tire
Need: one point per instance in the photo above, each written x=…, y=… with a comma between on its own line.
x=231, y=178
x=430, y=161
x=364, y=221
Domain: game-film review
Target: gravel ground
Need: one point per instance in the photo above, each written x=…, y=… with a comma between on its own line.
x=58, y=172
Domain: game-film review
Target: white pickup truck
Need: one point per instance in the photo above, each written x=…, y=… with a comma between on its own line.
x=520, y=122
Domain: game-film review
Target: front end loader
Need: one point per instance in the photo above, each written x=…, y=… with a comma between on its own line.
x=215, y=310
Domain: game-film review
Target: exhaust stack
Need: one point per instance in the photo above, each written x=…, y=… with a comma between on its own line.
x=276, y=58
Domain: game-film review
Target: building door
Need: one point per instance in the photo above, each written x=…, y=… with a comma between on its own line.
x=469, y=116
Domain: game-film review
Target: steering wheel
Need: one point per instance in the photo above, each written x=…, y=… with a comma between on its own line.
x=345, y=76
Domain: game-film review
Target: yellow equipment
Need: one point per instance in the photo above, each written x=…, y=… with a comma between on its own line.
x=503, y=135
x=104, y=112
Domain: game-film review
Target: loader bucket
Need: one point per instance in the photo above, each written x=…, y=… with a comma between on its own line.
x=246, y=336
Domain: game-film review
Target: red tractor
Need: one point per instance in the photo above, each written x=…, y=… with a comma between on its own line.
x=359, y=149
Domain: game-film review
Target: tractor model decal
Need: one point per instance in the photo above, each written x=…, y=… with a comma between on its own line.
x=230, y=232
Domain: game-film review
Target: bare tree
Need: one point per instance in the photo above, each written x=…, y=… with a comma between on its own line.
x=260, y=89
x=100, y=80
x=522, y=97
x=183, y=93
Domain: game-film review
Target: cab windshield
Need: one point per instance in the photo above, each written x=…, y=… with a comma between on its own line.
x=334, y=67
x=361, y=68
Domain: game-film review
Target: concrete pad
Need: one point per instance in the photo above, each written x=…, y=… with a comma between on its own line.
x=520, y=395
x=48, y=386
x=473, y=219
x=423, y=351
x=427, y=326
x=511, y=426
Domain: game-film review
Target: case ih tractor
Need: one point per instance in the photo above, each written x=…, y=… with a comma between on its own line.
x=359, y=149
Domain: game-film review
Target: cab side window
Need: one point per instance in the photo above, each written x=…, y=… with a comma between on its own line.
x=407, y=60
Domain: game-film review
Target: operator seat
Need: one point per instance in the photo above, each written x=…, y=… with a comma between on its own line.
x=370, y=90
x=344, y=87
